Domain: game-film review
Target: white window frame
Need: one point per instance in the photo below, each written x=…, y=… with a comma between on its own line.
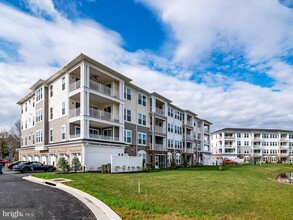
x=63, y=132
x=128, y=136
x=142, y=138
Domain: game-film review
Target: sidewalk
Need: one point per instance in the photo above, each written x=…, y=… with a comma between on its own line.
x=99, y=209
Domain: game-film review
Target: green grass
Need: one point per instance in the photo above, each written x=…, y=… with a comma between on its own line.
x=237, y=192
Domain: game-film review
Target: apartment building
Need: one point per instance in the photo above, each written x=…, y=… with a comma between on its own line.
x=90, y=111
x=261, y=145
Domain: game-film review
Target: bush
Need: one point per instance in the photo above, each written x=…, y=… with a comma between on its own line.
x=185, y=163
x=173, y=164
x=63, y=165
x=76, y=165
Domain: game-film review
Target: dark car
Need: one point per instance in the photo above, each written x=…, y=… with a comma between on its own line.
x=3, y=162
x=11, y=165
x=33, y=166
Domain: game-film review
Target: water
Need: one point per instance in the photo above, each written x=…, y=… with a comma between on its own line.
x=285, y=178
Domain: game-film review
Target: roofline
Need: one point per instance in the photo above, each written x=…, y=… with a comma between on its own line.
x=190, y=112
x=161, y=97
x=137, y=88
x=25, y=98
x=252, y=129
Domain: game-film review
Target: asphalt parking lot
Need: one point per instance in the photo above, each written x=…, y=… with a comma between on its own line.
x=48, y=203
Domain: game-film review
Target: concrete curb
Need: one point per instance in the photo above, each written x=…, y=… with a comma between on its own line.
x=99, y=209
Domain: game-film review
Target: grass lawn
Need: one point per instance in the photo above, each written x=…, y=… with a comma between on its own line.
x=237, y=192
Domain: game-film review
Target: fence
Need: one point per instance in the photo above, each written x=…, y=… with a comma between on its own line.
x=122, y=164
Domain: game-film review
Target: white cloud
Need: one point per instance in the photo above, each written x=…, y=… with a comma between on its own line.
x=263, y=29
x=220, y=99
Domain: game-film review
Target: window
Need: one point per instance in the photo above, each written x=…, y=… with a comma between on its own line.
x=39, y=136
x=63, y=83
x=265, y=135
x=63, y=108
x=178, y=158
x=127, y=93
x=238, y=143
x=51, y=135
x=29, y=137
x=25, y=141
x=33, y=138
x=127, y=136
x=127, y=115
x=39, y=115
x=141, y=138
x=63, y=134
x=246, y=135
x=51, y=113
x=51, y=90
x=107, y=132
x=141, y=119
x=141, y=99
x=291, y=136
x=246, y=143
x=26, y=107
x=170, y=112
x=239, y=135
x=33, y=102
x=39, y=94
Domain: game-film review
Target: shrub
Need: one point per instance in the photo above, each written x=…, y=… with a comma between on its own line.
x=173, y=164
x=63, y=165
x=76, y=165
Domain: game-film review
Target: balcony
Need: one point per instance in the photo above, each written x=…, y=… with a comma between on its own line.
x=99, y=114
x=256, y=146
x=160, y=111
x=98, y=87
x=74, y=86
x=74, y=112
x=189, y=137
x=160, y=147
x=103, y=137
x=229, y=136
x=74, y=136
x=189, y=123
x=189, y=150
x=206, y=130
x=229, y=146
x=160, y=129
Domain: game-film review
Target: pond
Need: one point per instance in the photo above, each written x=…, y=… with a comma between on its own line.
x=285, y=177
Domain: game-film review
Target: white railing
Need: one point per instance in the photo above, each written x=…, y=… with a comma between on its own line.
x=74, y=86
x=103, y=89
x=206, y=130
x=73, y=136
x=189, y=150
x=99, y=114
x=160, y=111
x=189, y=123
x=189, y=137
x=160, y=147
x=103, y=137
x=74, y=112
x=160, y=129
x=229, y=136
x=229, y=146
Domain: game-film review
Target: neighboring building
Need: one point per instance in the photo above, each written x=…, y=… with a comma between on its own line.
x=91, y=111
x=270, y=145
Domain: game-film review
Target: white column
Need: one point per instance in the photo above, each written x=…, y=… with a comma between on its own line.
x=121, y=90
x=153, y=104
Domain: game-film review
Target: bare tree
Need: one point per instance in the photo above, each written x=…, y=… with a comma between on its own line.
x=16, y=131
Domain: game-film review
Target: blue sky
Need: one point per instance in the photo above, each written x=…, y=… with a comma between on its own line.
x=229, y=61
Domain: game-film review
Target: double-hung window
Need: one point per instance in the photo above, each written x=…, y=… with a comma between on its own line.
x=141, y=99
x=141, y=119
x=141, y=138
x=127, y=136
x=127, y=115
x=127, y=93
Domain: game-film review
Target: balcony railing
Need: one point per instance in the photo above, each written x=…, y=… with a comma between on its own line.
x=74, y=86
x=73, y=136
x=160, y=147
x=229, y=137
x=229, y=146
x=189, y=137
x=99, y=114
x=160, y=111
x=104, y=89
x=74, y=112
x=206, y=130
x=160, y=129
x=189, y=150
x=103, y=137
x=189, y=123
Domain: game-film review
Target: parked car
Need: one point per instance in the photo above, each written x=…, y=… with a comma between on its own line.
x=33, y=166
x=12, y=164
x=228, y=161
x=3, y=162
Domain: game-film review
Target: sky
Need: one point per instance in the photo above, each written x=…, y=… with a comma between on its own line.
x=230, y=62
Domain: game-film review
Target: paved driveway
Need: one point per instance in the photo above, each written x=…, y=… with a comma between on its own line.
x=48, y=202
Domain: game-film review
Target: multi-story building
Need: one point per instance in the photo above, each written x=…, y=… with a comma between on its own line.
x=90, y=111
x=261, y=145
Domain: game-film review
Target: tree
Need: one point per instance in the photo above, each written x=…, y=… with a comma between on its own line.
x=63, y=165
x=76, y=165
x=6, y=141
